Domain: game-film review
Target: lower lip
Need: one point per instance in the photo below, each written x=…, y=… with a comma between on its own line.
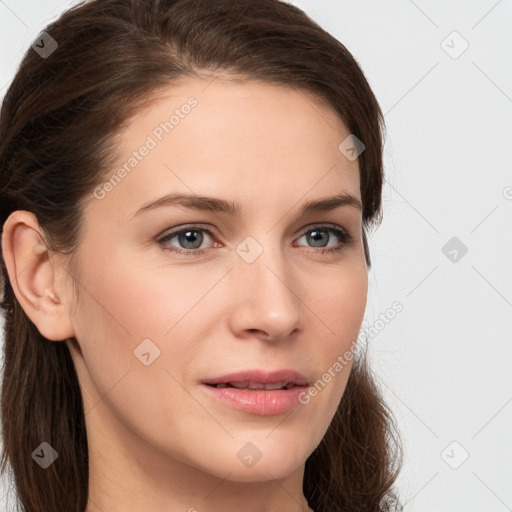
x=264, y=402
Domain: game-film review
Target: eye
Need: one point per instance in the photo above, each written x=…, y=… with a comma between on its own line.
x=319, y=235
x=191, y=238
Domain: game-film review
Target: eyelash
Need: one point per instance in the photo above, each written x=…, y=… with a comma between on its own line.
x=345, y=237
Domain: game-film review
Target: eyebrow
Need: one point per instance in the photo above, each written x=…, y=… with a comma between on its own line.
x=216, y=205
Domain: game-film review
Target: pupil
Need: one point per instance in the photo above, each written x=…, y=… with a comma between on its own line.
x=315, y=234
x=188, y=237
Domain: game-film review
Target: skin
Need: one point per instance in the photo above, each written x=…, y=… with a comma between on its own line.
x=157, y=442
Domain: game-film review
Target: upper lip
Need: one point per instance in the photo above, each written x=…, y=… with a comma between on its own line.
x=261, y=377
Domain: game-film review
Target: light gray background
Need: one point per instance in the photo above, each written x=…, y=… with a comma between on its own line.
x=444, y=361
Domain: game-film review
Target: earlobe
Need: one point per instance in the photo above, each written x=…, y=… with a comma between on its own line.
x=31, y=272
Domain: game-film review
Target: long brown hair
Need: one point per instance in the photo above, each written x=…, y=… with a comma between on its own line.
x=58, y=124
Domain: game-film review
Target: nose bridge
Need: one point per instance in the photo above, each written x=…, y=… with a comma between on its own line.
x=268, y=288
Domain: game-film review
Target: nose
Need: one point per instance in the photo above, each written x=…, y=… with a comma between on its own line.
x=267, y=299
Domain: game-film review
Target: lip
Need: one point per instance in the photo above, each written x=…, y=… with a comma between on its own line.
x=261, y=402
x=262, y=376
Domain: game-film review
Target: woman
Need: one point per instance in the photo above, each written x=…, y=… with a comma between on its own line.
x=186, y=188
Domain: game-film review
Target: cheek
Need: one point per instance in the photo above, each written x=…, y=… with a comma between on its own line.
x=121, y=308
x=138, y=298
x=341, y=308
x=124, y=302
x=342, y=305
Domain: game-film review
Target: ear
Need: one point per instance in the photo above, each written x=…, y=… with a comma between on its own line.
x=31, y=271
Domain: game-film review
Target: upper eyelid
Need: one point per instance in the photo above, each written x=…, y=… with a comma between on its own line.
x=199, y=227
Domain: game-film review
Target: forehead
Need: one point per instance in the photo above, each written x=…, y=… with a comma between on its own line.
x=242, y=138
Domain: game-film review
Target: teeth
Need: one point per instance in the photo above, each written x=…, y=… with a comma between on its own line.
x=255, y=385
x=240, y=385
x=277, y=385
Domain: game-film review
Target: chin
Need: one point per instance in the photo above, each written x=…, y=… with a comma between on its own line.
x=264, y=471
x=258, y=461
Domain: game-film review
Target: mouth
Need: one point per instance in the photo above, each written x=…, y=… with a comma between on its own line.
x=258, y=392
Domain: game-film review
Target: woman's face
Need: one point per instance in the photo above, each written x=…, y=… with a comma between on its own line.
x=161, y=313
